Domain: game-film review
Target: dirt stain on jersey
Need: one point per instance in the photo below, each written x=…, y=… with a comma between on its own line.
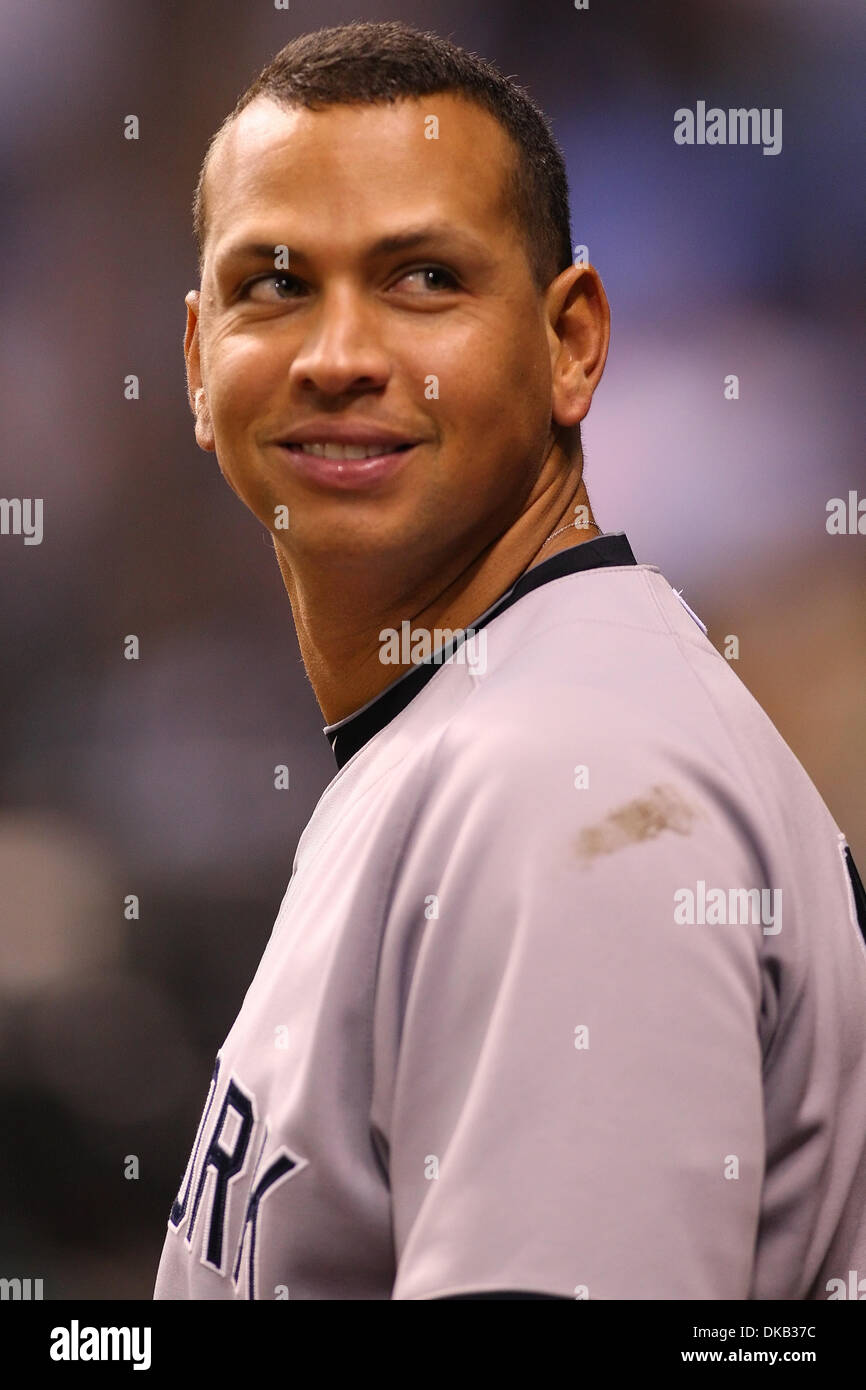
x=662, y=808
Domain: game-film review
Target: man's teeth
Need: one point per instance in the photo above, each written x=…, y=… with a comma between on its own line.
x=346, y=451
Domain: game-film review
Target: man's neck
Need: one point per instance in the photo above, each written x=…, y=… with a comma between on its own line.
x=340, y=609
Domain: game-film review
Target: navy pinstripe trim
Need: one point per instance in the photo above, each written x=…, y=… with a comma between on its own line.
x=350, y=734
x=859, y=891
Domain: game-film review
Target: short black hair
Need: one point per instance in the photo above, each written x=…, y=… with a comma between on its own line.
x=363, y=63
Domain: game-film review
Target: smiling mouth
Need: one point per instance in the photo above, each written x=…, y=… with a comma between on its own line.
x=348, y=451
x=352, y=466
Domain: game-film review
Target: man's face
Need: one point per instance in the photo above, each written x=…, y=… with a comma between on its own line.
x=458, y=360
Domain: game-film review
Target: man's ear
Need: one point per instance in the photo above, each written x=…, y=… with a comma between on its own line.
x=579, y=335
x=196, y=392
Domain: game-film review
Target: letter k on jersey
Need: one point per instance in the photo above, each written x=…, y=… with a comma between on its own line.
x=218, y=1180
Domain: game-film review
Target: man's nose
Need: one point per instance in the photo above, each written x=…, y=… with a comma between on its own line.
x=342, y=348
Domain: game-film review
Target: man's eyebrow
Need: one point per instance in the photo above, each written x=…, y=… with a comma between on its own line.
x=406, y=240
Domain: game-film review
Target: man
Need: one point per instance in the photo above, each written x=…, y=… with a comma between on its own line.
x=566, y=996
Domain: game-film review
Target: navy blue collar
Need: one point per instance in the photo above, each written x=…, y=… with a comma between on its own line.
x=351, y=733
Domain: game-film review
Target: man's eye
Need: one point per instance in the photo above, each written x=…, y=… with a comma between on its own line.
x=432, y=270
x=247, y=290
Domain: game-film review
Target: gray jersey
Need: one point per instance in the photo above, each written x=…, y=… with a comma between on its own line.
x=566, y=995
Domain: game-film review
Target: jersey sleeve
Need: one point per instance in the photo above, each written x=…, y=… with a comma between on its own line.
x=576, y=1107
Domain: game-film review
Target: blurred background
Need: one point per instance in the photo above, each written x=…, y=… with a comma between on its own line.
x=154, y=777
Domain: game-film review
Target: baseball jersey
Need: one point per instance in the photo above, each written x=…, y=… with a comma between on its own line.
x=566, y=996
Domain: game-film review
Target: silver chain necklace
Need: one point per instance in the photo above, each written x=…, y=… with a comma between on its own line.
x=569, y=527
